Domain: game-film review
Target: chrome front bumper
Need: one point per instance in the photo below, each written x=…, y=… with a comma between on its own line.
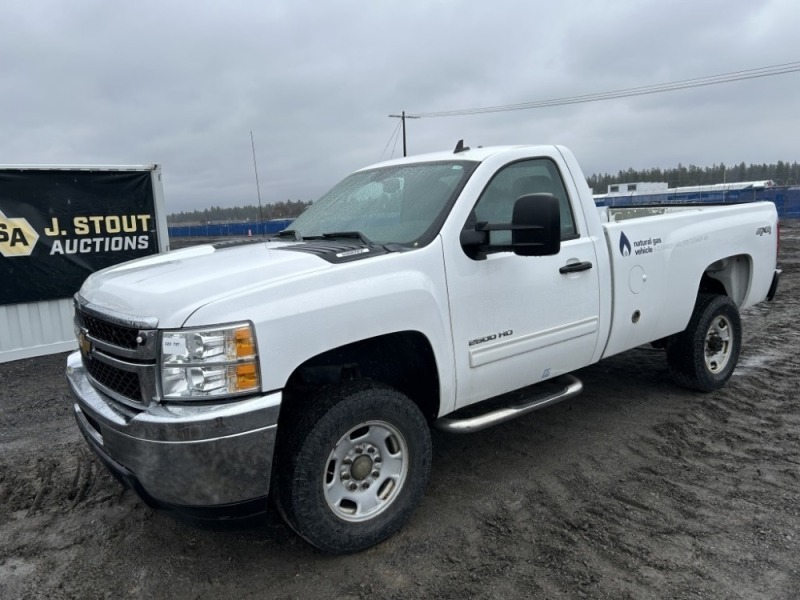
x=181, y=455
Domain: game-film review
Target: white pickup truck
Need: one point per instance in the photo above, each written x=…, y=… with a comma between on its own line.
x=417, y=292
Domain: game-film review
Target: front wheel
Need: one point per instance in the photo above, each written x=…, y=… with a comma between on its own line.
x=705, y=354
x=353, y=466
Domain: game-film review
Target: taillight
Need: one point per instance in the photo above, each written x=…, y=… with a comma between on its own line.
x=778, y=239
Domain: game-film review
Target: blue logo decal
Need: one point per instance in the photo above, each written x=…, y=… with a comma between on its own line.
x=624, y=245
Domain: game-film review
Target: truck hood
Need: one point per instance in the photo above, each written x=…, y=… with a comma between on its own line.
x=171, y=286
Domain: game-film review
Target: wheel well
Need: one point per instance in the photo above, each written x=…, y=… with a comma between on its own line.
x=729, y=276
x=403, y=360
x=709, y=285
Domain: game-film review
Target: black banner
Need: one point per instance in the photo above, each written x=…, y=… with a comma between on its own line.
x=58, y=227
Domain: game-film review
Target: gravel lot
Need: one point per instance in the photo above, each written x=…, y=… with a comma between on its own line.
x=635, y=489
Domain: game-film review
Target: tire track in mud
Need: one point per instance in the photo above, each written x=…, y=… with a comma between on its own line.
x=60, y=483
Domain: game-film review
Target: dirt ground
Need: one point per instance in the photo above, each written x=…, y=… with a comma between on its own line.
x=635, y=489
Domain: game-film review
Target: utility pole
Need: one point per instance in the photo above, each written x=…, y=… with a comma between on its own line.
x=402, y=116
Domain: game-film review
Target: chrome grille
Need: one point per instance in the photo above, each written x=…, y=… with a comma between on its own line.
x=115, y=335
x=120, y=358
x=125, y=383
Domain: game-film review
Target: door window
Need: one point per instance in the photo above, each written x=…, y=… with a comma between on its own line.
x=535, y=176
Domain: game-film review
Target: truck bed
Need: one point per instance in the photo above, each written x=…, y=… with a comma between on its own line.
x=659, y=253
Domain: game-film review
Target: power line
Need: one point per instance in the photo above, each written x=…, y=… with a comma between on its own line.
x=768, y=71
x=396, y=137
x=395, y=131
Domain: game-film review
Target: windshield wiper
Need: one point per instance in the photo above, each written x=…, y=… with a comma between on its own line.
x=364, y=239
x=348, y=234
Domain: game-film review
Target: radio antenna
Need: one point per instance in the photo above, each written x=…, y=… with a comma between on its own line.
x=258, y=188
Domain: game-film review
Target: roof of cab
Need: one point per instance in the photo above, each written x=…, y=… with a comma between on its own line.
x=477, y=154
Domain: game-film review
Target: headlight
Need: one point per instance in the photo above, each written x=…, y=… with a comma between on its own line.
x=202, y=363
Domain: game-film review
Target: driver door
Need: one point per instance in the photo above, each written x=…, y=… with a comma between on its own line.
x=519, y=320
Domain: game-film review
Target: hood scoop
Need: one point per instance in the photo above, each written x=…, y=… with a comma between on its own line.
x=337, y=251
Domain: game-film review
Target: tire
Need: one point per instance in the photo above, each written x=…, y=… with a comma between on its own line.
x=353, y=466
x=704, y=355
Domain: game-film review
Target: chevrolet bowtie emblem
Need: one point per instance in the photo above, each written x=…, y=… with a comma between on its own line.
x=84, y=344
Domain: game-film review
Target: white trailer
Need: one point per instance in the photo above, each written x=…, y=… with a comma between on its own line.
x=59, y=224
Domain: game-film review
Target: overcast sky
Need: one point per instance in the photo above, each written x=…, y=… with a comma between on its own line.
x=182, y=83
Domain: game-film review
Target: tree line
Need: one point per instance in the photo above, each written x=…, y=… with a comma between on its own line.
x=288, y=209
x=782, y=173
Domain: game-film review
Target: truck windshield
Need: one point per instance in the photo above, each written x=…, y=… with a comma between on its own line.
x=402, y=204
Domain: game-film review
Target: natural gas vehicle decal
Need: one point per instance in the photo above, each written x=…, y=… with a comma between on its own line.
x=656, y=244
x=638, y=247
x=624, y=244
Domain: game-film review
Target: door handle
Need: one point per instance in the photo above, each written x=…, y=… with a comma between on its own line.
x=575, y=267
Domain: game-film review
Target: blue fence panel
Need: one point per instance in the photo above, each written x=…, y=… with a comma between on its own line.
x=230, y=229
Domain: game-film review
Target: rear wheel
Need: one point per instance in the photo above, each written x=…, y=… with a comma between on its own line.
x=705, y=354
x=353, y=466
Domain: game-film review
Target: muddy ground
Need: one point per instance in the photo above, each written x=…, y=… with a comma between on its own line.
x=636, y=489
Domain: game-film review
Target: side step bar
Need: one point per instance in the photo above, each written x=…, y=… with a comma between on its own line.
x=572, y=386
